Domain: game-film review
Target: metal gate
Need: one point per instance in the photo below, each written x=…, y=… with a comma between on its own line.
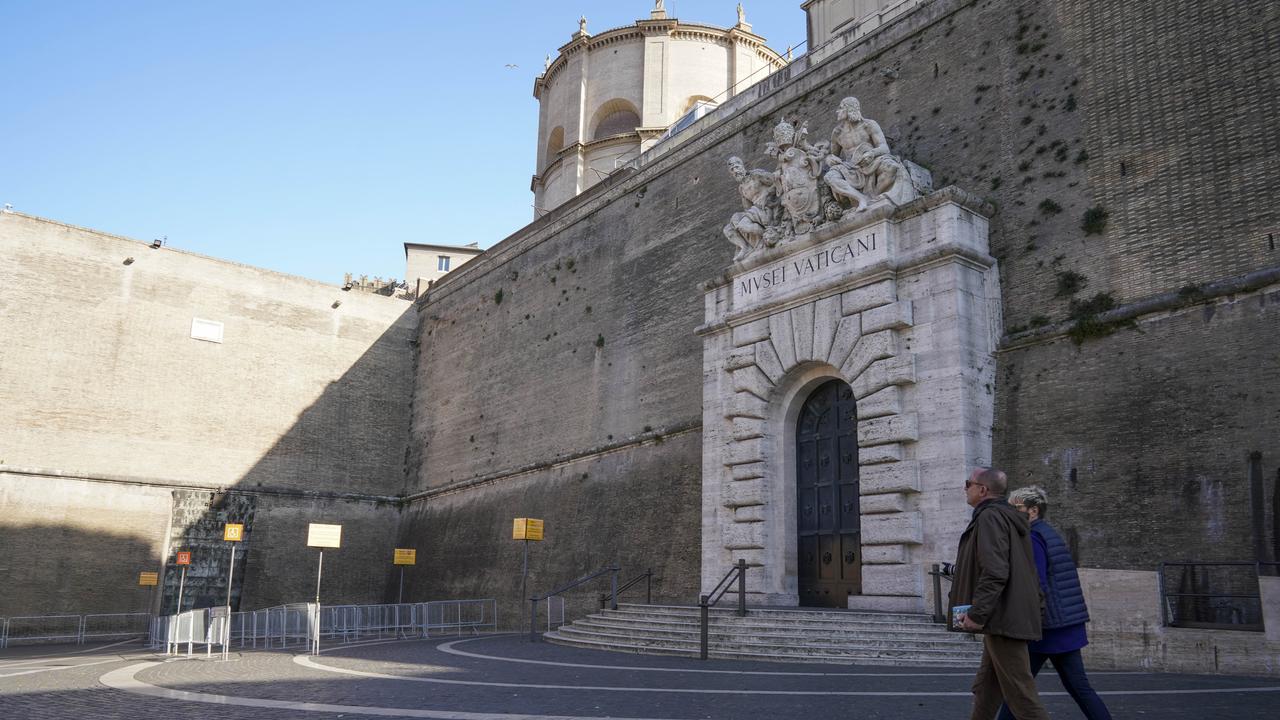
x=827, y=502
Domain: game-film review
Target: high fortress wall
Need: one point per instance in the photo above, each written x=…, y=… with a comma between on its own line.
x=1114, y=341
x=152, y=395
x=1081, y=288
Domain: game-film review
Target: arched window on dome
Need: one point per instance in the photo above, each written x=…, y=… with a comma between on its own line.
x=615, y=117
x=555, y=143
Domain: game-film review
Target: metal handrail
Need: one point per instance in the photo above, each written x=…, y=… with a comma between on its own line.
x=647, y=576
x=533, y=601
x=705, y=602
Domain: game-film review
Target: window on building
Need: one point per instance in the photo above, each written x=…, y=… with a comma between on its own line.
x=442, y=263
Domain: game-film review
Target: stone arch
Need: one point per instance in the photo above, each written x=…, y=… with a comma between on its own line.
x=614, y=117
x=776, y=362
x=555, y=143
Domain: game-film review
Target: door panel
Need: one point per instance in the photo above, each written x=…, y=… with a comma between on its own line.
x=827, y=497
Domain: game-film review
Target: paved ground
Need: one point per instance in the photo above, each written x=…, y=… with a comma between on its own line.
x=504, y=677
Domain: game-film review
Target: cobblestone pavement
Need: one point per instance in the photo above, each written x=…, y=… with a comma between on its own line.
x=504, y=677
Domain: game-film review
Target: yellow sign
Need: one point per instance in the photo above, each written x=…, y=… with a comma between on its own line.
x=406, y=556
x=324, y=536
x=233, y=532
x=527, y=529
x=149, y=578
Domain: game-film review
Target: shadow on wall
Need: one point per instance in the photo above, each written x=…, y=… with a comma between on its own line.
x=341, y=463
x=57, y=569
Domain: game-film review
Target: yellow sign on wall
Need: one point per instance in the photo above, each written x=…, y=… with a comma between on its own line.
x=527, y=529
x=406, y=556
x=149, y=578
x=233, y=532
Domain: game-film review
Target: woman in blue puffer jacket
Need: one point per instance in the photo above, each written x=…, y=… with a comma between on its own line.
x=1065, y=614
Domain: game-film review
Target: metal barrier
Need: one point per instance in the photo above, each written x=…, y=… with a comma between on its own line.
x=43, y=627
x=215, y=627
x=282, y=626
x=114, y=625
x=1212, y=595
x=555, y=604
x=353, y=622
x=457, y=615
x=278, y=626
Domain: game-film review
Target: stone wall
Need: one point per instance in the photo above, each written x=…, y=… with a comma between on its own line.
x=576, y=334
x=121, y=428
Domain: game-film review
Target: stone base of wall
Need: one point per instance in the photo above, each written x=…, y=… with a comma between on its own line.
x=1126, y=631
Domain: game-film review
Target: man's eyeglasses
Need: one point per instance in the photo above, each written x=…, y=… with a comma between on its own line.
x=970, y=483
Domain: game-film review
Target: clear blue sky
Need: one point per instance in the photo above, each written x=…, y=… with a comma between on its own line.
x=312, y=137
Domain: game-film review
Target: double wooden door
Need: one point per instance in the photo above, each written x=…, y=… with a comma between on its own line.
x=827, y=502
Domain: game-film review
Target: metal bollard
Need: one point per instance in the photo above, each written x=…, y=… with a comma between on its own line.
x=742, y=587
x=706, y=618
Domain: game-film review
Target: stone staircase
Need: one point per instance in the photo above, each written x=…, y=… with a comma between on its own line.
x=776, y=634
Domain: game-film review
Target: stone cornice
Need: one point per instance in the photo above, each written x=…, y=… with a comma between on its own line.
x=652, y=437
x=170, y=484
x=651, y=28
x=1167, y=302
x=617, y=139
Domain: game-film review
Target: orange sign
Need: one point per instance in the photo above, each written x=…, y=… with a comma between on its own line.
x=149, y=578
x=405, y=556
x=233, y=532
x=184, y=557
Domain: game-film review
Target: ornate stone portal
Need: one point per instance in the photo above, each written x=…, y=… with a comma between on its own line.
x=857, y=272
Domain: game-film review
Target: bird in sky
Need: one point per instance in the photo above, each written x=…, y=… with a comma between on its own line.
x=512, y=66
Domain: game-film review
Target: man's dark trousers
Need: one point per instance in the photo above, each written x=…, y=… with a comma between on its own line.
x=1005, y=676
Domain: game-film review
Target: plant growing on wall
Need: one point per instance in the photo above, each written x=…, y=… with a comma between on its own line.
x=1070, y=282
x=1095, y=220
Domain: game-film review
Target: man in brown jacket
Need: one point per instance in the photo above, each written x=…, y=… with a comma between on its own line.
x=995, y=574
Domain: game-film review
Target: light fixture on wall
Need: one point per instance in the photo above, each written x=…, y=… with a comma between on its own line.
x=128, y=261
x=336, y=303
x=155, y=244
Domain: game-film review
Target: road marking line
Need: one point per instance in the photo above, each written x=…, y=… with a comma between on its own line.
x=58, y=667
x=124, y=679
x=66, y=655
x=448, y=648
x=307, y=662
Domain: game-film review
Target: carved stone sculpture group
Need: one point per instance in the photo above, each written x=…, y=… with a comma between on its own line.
x=815, y=184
